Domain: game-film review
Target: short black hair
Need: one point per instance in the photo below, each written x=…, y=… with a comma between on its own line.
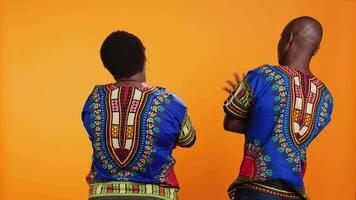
x=123, y=54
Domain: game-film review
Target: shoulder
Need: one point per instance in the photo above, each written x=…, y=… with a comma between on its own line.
x=174, y=104
x=177, y=101
x=261, y=71
x=95, y=91
x=259, y=78
x=93, y=97
x=98, y=88
x=161, y=91
x=264, y=69
x=98, y=93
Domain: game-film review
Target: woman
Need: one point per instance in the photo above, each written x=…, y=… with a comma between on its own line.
x=133, y=128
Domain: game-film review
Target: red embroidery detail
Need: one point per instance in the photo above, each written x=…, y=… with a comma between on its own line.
x=248, y=167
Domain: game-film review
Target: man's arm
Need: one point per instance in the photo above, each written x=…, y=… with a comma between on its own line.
x=234, y=125
x=231, y=122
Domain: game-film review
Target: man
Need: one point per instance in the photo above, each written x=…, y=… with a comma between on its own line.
x=280, y=109
x=133, y=128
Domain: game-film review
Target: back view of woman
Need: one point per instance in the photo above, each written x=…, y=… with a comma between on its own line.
x=133, y=128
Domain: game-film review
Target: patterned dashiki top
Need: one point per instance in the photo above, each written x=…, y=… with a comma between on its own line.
x=284, y=110
x=133, y=132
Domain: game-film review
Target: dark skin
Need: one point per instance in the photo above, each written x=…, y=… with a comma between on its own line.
x=230, y=123
x=299, y=42
x=137, y=80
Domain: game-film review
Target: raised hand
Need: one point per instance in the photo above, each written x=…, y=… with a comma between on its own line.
x=233, y=84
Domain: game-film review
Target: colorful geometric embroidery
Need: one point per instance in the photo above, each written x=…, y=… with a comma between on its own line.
x=133, y=133
x=293, y=130
x=123, y=141
x=125, y=127
x=187, y=134
x=256, y=164
x=128, y=189
x=324, y=110
x=303, y=106
x=167, y=174
x=240, y=100
x=280, y=90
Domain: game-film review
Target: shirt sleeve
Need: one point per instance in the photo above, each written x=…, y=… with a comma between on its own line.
x=186, y=137
x=239, y=102
x=184, y=133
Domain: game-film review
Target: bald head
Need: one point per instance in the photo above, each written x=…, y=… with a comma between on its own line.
x=301, y=37
x=306, y=31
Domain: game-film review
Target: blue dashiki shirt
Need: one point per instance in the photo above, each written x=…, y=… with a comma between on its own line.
x=284, y=110
x=133, y=132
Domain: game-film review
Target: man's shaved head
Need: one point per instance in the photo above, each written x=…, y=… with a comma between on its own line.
x=301, y=37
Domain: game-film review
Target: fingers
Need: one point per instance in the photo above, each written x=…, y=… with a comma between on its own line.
x=228, y=90
x=233, y=85
x=237, y=78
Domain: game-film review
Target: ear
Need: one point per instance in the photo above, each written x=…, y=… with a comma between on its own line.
x=290, y=38
x=316, y=50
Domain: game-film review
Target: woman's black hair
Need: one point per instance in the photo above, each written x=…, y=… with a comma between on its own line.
x=123, y=54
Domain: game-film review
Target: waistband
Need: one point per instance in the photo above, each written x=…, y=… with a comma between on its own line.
x=132, y=189
x=276, y=191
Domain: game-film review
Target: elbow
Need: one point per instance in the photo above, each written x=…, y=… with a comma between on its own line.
x=190, y=144
x=227, y=127
x=189, y=141
x=234, y=127
x=230, y=128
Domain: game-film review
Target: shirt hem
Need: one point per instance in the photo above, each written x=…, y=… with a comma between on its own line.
x=101, y=189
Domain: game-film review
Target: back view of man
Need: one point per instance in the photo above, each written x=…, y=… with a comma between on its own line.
x=280, y=109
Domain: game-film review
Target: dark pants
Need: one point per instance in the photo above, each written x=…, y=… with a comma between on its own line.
x=124, y=198
x=250, y=194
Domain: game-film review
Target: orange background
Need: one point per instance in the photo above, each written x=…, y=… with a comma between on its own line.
x=50, y=63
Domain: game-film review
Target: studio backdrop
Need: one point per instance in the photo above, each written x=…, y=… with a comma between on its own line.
x=49, y=57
